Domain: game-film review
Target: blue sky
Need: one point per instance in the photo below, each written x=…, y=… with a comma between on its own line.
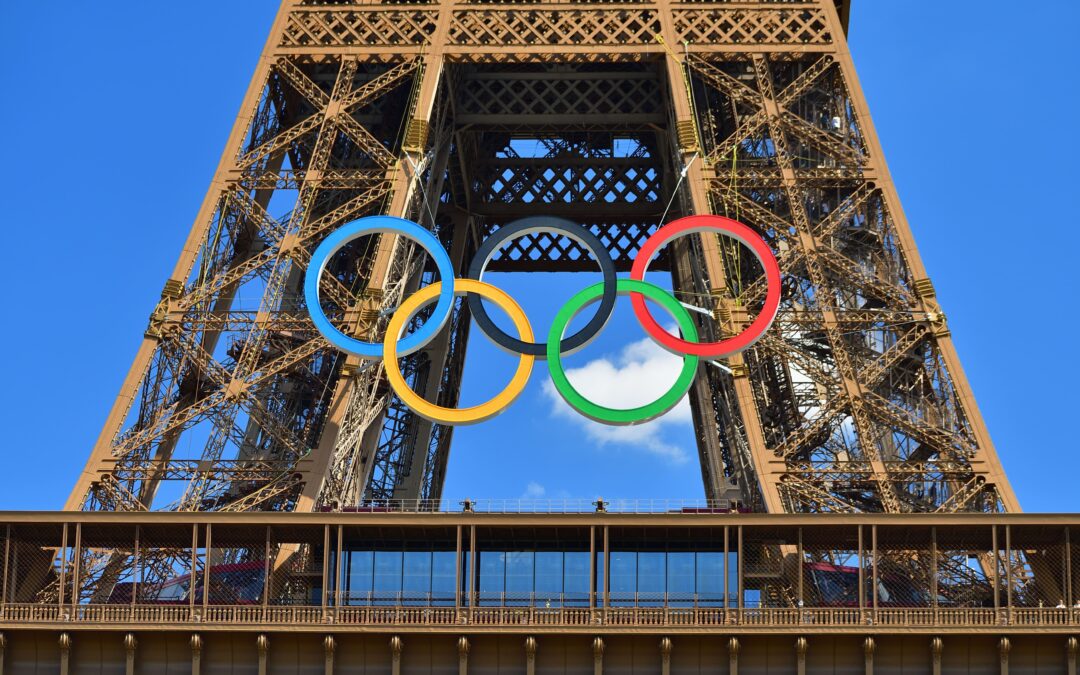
x=117, y=113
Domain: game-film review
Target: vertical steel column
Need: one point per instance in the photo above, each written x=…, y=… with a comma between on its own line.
x=130, y=645
x=136, y=576
x=14, y=571
x=996, y=569
x=7, y=554
x=1067, y=554
x=458, y=562
x=196, y=653
x=326, y=567
x=75, y=568
x=933, y=568
x=65, y=653
x=206, y=568
x=874, y=568
x=329, y=647
x=266, y=572
x=607, y=569
x=739, y=572
x=337, y=568
x=473, y=569
x=727, y=575
x=802, y=557
x=592, y=567
x=63, y=565
x=862, y=574
x=530, y=655
x=262, y=645
x=194, y=568
x=396, y=646
x=463, y=655
x=1008, y=571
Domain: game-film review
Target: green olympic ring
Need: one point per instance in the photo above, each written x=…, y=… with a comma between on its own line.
x=621, y=416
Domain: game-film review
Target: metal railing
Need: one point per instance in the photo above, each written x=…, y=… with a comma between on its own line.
x=540, y=506
x=561, y=617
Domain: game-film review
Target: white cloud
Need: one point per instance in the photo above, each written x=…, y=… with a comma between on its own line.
x=640, y=373
x=533, y=490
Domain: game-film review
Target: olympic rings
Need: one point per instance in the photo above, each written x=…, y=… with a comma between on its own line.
x=394, y=345
x=614, y=416
x=732, y=228
x=375, y=225
x=520, y=228
x=456, y=416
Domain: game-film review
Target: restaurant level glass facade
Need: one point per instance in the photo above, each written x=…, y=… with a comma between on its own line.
x=541, y=578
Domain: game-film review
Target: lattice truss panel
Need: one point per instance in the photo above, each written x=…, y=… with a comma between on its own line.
x=237, y=387
x=851, y=388
x=576, y=141
x=503, y=32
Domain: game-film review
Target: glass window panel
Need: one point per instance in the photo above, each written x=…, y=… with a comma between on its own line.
x=416, y=578
x=519, y=576
x=651, y=573
x=751, y=597
x=600, y=578
x=549, y=578
x=710, y=579
x=732, y=569
x=576, y=578
x=443, y=577
x=468, y=584
x=358, y=577
x=492, y=577
x=387, y=586
x=680, y=579
x=623, y=583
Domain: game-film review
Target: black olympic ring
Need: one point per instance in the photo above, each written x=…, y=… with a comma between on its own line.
x=578, y=233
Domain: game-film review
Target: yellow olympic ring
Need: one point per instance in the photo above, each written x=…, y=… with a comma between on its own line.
x=456, y=416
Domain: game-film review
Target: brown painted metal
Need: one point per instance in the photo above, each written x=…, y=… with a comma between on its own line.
x=855, y=401
x=769, y=655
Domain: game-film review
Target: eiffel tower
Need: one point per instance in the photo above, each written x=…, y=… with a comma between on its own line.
x=466, y=117
x=892, y=535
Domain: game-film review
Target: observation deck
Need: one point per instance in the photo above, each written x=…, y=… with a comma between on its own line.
x=632, y=573
x=622, y=566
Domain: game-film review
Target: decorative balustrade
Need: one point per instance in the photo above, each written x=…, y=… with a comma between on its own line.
x=610, y=619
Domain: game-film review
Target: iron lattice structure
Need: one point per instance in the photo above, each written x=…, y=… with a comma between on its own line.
x=466, y=115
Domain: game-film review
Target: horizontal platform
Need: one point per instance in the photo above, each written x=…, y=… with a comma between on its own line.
x=541, y=512
x=540, y=620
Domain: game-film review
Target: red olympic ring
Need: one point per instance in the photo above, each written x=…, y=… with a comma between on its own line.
x=721, y=225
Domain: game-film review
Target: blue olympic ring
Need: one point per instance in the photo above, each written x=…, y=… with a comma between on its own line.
x=379, y=225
